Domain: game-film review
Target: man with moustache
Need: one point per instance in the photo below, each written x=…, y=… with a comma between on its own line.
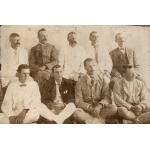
x=131, y=97
x=43, y=57
x=12, y=58
x=71, y=58
x=92, y=96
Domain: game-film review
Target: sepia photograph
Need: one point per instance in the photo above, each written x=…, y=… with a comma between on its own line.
x=74, y=74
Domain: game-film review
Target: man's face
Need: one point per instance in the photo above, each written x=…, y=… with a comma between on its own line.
x=58, y=73
x=130, y=73
x=43, y=37
x=120, y=39
x=94, y=37
x=24, y=75
x=91, y=67
x=15, y=41
x=72, y=38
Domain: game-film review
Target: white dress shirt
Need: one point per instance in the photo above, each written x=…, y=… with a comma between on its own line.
x=21, y=96
x=58, y=98
x=104, y=60
x=10, y=61
x=71, y=59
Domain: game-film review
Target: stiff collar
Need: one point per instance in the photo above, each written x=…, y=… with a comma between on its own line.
x=88, y=78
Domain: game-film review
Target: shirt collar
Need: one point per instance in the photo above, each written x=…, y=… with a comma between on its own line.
x=89, y=79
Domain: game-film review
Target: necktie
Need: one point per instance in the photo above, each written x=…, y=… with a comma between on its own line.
x=96, y=53
x=92, y=81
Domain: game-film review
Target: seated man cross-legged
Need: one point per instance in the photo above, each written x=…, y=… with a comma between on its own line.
x=92, y=96
x=131, y=98
x=58, y=94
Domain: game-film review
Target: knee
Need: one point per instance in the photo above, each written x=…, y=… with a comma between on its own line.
x=71, y=106
x=32, y=116
x=113, y=109
x=122, y=111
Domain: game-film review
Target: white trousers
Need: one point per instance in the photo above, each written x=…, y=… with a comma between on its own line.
x=33, y=115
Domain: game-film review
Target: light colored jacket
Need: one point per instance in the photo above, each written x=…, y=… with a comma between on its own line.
x=123, y=96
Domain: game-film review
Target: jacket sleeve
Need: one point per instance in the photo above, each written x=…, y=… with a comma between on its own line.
x=71, y=89
x=32, y=61
x=144, y=96
x=118, y=99
x=105, y=93
x=79, y=100
x=35, y=101
x=136, y=64
x=53, y=58
x=114, y=71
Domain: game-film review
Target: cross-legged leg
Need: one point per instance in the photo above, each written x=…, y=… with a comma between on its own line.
x=126, y=114
x=81, y=115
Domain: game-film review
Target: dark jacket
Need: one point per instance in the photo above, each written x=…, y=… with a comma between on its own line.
x=42, y=55
x=119, y=61
x=67, y=91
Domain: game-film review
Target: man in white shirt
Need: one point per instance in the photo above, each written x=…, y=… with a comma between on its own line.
x=101, y=57
x=71, y=58
x=22, y=101
x=12, y=58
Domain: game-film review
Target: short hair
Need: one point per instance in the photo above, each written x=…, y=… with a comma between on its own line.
x=92, y=33
x=43, y=29
x=87, y=60
x=72, y=32
x=12, y=35
x=118, y=35
x=22, y=66
x=56, y=66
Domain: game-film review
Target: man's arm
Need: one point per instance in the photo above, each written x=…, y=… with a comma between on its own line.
x=144, y=96
x=35, y=100
x=53, y=58
x=79, y=100
x=114, y=71
x=32, y=61
x=118, y=97
x=136, y=64
x=105, y=93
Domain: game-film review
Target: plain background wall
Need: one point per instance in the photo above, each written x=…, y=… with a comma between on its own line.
x=138, y=39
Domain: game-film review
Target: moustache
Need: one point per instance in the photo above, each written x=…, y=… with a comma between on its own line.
x=18, y=43
x=44, y=40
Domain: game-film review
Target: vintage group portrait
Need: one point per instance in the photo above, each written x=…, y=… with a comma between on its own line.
x=74, y=74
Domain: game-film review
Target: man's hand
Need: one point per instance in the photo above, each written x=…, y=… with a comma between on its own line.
x=137, y=109
x=42, y=68
x=21, y=116
x=97, y=110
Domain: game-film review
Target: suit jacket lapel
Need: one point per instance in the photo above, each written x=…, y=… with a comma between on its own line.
x=129, y=55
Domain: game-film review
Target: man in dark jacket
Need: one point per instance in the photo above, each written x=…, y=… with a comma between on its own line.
x=58, y=93
x=43, y=57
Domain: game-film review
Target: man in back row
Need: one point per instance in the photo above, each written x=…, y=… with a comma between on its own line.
x=42, y=58
x=71, y=58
